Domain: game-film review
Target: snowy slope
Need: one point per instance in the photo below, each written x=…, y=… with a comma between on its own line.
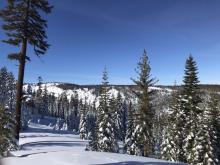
x=41, y=145
x=90, y=94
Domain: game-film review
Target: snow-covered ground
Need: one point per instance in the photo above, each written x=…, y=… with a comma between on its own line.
x=40, y=145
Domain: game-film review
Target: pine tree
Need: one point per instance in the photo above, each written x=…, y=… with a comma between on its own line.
x=93, y=144
x=191, y=108
x=29, y=89
x=7, y=88
x=124, y=119
x=213, y=113
x=83, y=123
x=106, y=135
x=145, y=113
x=45, y=101
x=172, y=146
x=119, y=114
x=114, y=113
x=24, y=25
x=206, y=143
x=11, y=88
x=129, y=139
x=6, y=134
x=3, y=86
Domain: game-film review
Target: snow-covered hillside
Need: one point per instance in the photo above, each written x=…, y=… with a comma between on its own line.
x=91, y=93
x=42, y=145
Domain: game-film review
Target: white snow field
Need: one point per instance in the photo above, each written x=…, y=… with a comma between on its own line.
x=41, y=145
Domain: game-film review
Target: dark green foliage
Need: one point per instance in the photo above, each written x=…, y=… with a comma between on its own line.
x=93, y=144
x=83, y=131
x=23, y=21
x=129, y=139
x=145, y=112
x=191, y=107
x=172, y=146
x=7, y=88
x=6, y=135
x=106, y=135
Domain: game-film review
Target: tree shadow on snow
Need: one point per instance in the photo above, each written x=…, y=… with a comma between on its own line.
x=141, y=163
x=52, y=143
x=40, y=130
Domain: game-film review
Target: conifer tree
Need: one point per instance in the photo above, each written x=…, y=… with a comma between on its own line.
x=11, y=91
x=206, y=145
x=6, y=134
x=191, y=107
x=83, y=122
x=213, y=113
x=172, y=145
x=118, y=120
x=145, y=112
x=106, y=135
x=29, y=90
x=24, y=25
x=129, y=139
x=3, y=86
x=93, y=144
x=45, y=101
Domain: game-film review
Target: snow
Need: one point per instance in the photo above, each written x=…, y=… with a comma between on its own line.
x=40, y=144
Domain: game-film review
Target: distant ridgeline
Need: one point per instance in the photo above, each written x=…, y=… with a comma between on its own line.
x=69, y=86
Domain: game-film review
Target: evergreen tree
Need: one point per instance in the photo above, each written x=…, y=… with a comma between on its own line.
x=7, y=88
x=45, y=101
x=172, y=146
x=6, y=134
x=124, y=119
x=3, y=86
x=214, y=122
x=11, y=88
x=24, y=25
x=129, y=139
x=114, y=113
x=206, y=143
x=93, y=144
x=106, y=135
x=145, y=112
x=29, y=89
x=118, y=120
x=83, y=123
x=191, y=108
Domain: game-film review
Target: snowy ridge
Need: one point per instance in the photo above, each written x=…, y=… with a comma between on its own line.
x=90, y=93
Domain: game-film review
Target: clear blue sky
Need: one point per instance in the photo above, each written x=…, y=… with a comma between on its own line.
x=86, y=35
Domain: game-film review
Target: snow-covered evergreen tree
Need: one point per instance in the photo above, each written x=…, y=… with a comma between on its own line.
x=205, y=149
x=3, y=86
x=7, y=141
x=191, y=108
x=7, y=88
x=83, y=123
x=119, y=119
x=93, y=144
x=145, y=112
x=172, y=145
x=106, y=134
x=129, y=139
x=45, y=101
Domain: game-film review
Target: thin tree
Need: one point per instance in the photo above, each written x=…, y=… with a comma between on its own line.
x=24, y=25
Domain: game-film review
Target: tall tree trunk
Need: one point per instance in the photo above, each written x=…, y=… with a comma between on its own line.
x=20, y=88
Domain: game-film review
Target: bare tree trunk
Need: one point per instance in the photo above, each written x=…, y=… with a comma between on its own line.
x=20, y=83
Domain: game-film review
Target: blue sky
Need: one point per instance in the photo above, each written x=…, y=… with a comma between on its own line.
x=86, y=35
